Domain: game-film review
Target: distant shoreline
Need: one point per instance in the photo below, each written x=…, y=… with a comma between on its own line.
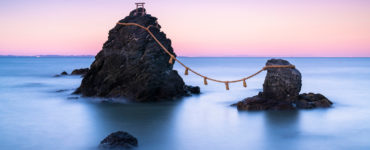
x=72, y=56
x=47, y=56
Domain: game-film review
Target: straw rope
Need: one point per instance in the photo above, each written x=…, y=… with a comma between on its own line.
x=205, y=78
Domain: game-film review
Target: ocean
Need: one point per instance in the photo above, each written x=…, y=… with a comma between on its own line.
x=37, y=110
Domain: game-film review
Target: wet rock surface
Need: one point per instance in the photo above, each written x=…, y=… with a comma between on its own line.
x=281, y=91
x=119, y=140
x=132, y=65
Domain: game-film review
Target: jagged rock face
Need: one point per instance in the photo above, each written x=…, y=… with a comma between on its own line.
x=282, y=83
x=132, y=65
x=281, y=91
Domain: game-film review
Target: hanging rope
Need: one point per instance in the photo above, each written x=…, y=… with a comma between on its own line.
x=187, y=69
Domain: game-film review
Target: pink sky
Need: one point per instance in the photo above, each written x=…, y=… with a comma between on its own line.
x=324, y=28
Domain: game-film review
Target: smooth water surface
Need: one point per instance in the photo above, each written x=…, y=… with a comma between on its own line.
x=34, y=114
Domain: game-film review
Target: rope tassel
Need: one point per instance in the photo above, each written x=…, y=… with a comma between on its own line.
x=227, y=85
x=171, y=60
x=186, y=71
x=244, y=83
x=205, y=81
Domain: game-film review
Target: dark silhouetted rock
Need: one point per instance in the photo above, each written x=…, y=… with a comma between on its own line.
x=81, y=71
x=281, y=91
x=64, y=73
x=61, y=90
x=260, y=103
x=132, y=65
x=119, y=140
x=311, y=100
x=193, y=89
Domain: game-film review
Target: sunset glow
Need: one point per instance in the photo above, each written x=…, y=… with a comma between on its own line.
x=308, y=28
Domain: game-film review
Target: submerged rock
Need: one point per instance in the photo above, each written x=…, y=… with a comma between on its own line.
x=132, y=65
x=119, y=140
x=61, y=90
x=81, y=71
x=281, y=91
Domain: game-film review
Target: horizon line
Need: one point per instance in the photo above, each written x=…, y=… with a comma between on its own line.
x=50, y=56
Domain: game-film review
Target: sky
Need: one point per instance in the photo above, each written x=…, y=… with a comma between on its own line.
x=256, y=28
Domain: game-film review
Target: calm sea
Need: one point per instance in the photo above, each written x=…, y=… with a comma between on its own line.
x=33, y=115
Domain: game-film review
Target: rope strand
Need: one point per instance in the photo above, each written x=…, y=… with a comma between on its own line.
x=187, y=69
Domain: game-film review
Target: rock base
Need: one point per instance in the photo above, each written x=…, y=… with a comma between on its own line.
x=304, y=101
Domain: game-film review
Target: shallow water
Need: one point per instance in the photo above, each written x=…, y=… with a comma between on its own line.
x=34, y=116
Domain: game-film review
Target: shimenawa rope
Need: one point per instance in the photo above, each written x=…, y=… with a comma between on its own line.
x=205, y=78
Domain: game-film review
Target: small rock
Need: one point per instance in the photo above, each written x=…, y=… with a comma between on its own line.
x=62, y=90
x=311, y=100
x=192, y=89
x=81, y=71
x=64, y=73
x=119, y=140
x=72, y=98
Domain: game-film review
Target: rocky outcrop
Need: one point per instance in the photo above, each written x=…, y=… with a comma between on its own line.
x=119, y=140
x=281, y=91
x=81, y=71
x=311, y=100
x=132, y=65
x=64, y=73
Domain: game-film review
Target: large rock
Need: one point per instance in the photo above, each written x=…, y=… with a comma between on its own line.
x=132, y=65
x=119, y=140
x=281, y=91
x=283, y=84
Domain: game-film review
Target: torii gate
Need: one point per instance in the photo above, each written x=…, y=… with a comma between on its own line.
x=142, y=10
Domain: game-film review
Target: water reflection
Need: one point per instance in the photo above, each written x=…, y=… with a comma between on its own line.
x=151, y=123
x=281, y=127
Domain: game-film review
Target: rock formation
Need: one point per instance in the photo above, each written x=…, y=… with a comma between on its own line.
x=312, y=100
x=119, y=140
x=281, y=91
x=64, y=73
x=81, y=71
x=132, y=65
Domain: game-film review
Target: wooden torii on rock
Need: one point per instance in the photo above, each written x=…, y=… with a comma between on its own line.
x=141, y=11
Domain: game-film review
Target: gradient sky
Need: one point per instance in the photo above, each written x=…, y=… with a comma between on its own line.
x=325, y=28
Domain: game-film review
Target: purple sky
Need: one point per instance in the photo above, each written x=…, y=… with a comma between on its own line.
x=309, y=28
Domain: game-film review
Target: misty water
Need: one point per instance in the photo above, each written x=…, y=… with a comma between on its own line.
x=33, y=115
